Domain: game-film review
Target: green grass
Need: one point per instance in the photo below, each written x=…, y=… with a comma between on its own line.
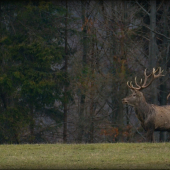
x=86, y=156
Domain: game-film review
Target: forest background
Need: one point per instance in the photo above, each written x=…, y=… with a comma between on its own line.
x=64, y=67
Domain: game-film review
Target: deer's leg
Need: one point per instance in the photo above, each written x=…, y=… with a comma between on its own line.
x=149, y=126
x=143, y=126
x=149, y=136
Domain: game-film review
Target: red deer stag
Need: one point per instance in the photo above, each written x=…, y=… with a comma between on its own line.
x=152, y=117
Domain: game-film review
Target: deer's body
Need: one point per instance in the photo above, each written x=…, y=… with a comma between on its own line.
x=152, y=117
x=162, y=118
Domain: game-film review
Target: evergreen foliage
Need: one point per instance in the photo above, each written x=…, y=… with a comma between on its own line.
x=30, y=79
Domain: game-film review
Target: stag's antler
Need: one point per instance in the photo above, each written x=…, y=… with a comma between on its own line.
x=139, y=87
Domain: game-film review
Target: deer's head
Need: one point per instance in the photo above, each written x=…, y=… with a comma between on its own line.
x=137, y=96
x=134, y=98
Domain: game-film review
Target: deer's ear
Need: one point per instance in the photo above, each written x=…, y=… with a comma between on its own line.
x=137, y=92
x=133, y=91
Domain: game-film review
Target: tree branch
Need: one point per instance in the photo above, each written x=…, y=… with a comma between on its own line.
x=168, y=38
x=142, y=8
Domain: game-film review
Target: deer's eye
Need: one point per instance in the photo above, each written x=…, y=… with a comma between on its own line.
x=134, y=95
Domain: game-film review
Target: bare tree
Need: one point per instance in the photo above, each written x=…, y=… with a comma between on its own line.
x=66, y=78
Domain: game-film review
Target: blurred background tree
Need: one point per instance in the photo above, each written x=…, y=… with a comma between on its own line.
x=65, y=64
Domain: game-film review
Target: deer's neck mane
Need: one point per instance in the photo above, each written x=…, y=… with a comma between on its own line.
x=143, y=110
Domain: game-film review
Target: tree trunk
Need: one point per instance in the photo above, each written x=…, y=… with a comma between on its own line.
x=66, y=80
x=32, y=124
x=16, y=137
x=82, y=100
x=153, y=49
x=113, y=51
x=91, y=132
x=163, y=87
x=92, y=92
x=153, y=54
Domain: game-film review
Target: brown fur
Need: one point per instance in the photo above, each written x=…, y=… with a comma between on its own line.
x=152, y=117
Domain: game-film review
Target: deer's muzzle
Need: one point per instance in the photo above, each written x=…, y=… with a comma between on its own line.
x=124, y=101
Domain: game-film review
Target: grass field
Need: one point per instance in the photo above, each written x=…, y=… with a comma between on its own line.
x=86, y=156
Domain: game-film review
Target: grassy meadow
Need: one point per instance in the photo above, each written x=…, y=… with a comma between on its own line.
x=86, y=156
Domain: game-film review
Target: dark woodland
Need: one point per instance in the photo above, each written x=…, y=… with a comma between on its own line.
x=64, y=68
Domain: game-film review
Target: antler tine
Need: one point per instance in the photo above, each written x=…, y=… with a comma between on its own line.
x=130, y=85
x=168, y=96
x=141, y=81
x=159, y=74
x=137, y=83
x=146, y=74
x=146, y=78
x=154, y=76
x=154, y=71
